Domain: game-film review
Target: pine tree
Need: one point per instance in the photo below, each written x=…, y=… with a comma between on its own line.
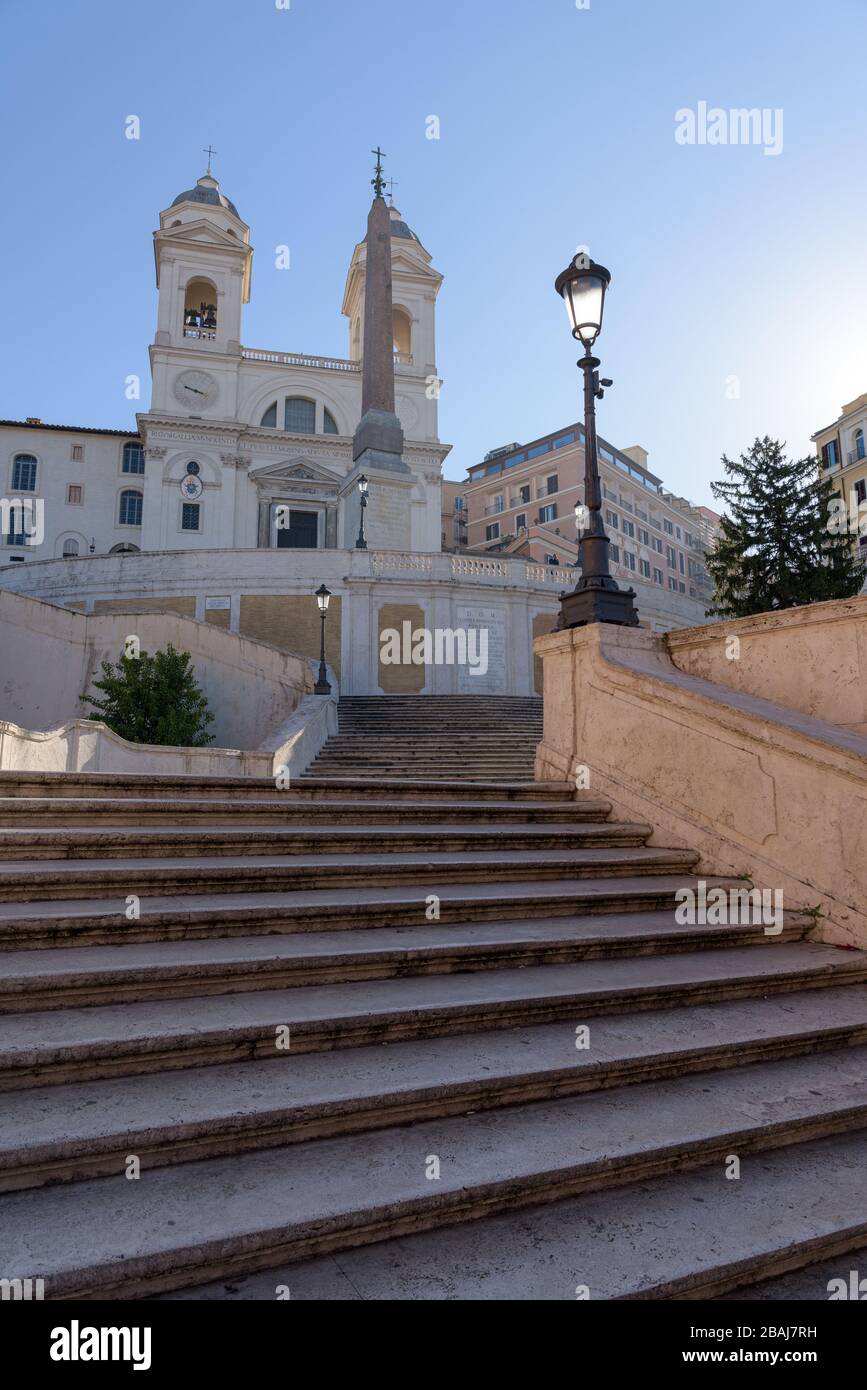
x=153, y=699
x=776, y=548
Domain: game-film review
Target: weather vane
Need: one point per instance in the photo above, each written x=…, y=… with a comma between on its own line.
x=378, y=181
x=392, y=185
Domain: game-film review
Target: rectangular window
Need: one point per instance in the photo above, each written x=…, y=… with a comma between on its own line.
x=524, y=494
x=644, y=567
x=614, y=553
x=548, y=513
x=657, y=576
x=643, y=535
x=24, y=473
x=77, y=453
x=687, y=536
x=492, y=532
x=539, y=449
x=677, y=532
x=680, y=562
x=628, y=528
x=672, y=584
x=667, y=527
x=681, y=587
x=830, y=454
x=657, y=544
x=671, y=558
x=563, y=440
x=611, y=519
x=190, y=516
x=521, y=521
x=552, y=485
x=73, y=494
x=498, y=502
x=629, y=559
x=861, y=490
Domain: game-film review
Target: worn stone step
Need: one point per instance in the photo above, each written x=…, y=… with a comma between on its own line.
x=175, y=1226
x=53, y=879
x=86, y=1129
x=76, y=976
x=47, y=1048
x=61, y=784
x=39, y=812
x=691, y=1235
x=144, y=842
x=109, y=920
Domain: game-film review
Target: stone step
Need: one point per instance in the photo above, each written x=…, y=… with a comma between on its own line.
x=144, y=842
x=86, y=1129
x=52, y=879
x=104, y=921
x=96, y=811
x=50, y=1048
x=110, y=1237
x=690, y=1235
x=86, y=976
x=93, y=784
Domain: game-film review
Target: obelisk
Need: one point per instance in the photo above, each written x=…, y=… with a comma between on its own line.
x=378, y=441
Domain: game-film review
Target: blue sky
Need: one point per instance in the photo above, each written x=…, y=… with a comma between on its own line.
x=557, y=129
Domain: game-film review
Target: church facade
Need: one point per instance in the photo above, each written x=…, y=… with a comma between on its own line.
x=241, y=448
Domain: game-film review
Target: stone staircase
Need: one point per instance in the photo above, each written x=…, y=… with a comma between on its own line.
x=340, y=1029
x=473, y=738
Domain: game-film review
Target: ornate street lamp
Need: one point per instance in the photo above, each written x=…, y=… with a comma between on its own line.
x=363, y=489
x=596, y=598
x=579, y=526
x=322, y=687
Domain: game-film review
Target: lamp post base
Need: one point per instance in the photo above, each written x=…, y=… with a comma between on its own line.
x=597, y=602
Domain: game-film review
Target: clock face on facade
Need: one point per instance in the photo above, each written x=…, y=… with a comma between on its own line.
x=195, y=389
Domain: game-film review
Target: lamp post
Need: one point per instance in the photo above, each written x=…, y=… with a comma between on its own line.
x=579, y=525
x=322, y=686
x=363, y=489
x=596, y=598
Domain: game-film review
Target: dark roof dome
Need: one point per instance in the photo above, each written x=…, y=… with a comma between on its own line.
x=399, y=227
x=207, y=190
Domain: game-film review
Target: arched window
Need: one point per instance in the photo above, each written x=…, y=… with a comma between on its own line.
x=130, y=508
x=402, y=331
x=859, y=443
x=329, y=424
x=133, y=458
x=300, y=416
x=24, y=473
x=70, y=547
x=200, y=310
x=269, y=419
x=125, y=549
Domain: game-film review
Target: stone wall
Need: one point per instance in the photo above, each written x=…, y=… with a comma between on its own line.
x=756, y=787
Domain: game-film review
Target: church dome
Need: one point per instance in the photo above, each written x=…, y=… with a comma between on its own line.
x=399, y=227
x=207, y=190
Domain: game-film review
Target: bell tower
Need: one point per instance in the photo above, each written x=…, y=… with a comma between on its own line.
x=203, y=263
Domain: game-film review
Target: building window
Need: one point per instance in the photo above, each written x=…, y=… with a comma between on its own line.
x=492, y=532
x=611, y=519
x=77, y=453
x=130, y=508
x=200, y=311
x=498, y=502
x=548, y=513
x=614, y=553
x=671, y=558
x=830, y=454
x=657, y=576
x=657, y=544
x=859, y=443
x=667, y=526
x=133, y=459
x=70, y=547
x=629, y=559
x=677, y=532
x=681, y=587
x=524, y=494
x=521, y=521
x=552, y=485
x=681, y=562
x=24, y=473
x=644, y=567
x=643, y=536
x=539, y=449
x=628, y=528
x=329, y=424
x=73, y=496
x=552, y=559
x=861, y=490
x=672, y=584
x=269, y=419
x=299, y=416
x=190, y=516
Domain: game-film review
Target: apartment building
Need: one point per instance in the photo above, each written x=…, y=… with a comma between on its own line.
x=520, y=500
x=842, y=456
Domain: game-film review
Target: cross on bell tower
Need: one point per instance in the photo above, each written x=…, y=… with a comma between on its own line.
x=378, y=181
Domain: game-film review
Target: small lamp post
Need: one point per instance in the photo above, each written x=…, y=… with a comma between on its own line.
x=596, y=598
x=579, y=526
x=363, y=489
x=322, y=687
